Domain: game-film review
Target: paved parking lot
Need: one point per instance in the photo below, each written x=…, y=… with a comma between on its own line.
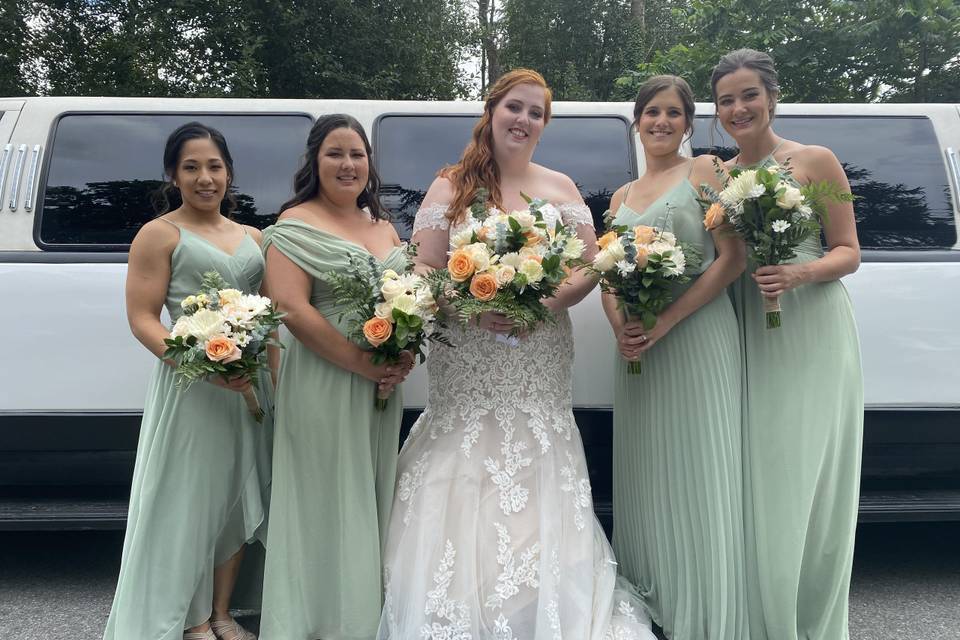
x=58, y=586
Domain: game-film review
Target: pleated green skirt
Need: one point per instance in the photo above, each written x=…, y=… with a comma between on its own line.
x=335, y=461
x=802, y=438
x=678, y=530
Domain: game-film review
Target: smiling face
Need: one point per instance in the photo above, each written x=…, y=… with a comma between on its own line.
x=744, y=105
x=202, y=175
x=519, y=118
x=663, y=123
x=343, y=165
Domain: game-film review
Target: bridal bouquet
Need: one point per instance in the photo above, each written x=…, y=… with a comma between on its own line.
x=508, y=263
x=771, y=213
x=388, y=312
x=222, y=332
x=639, y=267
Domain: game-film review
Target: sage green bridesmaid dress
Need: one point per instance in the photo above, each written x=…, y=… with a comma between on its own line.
x=677, y=480
x=335, y=459
x=201, y=480
x=802, y=438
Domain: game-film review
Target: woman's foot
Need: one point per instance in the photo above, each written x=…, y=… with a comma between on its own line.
x=229, y=629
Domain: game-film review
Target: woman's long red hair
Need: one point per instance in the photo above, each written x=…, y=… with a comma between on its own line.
x=477, y=167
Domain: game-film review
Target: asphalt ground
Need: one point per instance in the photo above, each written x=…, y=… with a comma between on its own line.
x=906, y=583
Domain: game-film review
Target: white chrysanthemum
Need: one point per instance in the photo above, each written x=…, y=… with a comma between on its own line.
x=406, y=303
x=604, y=261
x=511, y=260
x=532, y=270
x=242, y=338
x=679, y=263
x=805, y=211
x=790, y=198
x=573, y=248
x=625, y=267
x=739, y=188
x=204, y=324
x=780, y=226
x=425, y=299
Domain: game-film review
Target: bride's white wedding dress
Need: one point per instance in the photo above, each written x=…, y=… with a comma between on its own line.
x=492, y=534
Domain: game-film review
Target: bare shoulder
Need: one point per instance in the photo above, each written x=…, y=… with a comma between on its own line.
x=816, y=162
x=253, y=232
x=617, y=198
x=386, y=228
x=557, y=187
x=298, y=212
x=704, y=170
x=441, y=191
x=155, y=238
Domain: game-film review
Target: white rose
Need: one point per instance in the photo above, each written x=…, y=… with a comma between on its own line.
x=616, y=251
x=790, y=198
x=511, y=260
x=532, y=270
x=573, y=249
x=406, y=303
x=180, y=328
x=659, y=247
x=603, y=261
x=669, y=238
x=505, y=274
x=531, y=252
x=461, y=238
x=525, y=218
x=384, y=310
x=229, y=296
x=389, y=274
x=391, y=289
x=480, y=254
x=188, y=302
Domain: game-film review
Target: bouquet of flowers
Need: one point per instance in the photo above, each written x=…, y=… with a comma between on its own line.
x=771, y=213
x=508, y=263
x=388, y=312
x=222, y=332
x=639, y=267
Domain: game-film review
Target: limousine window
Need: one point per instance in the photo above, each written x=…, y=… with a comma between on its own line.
x=894, y=165
x=103, y=169
x=409, y=150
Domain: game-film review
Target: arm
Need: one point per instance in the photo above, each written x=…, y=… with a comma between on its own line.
x=432, y=229
x=148, y=278
x=840, y=229
x=291, y=286
x=581, y=281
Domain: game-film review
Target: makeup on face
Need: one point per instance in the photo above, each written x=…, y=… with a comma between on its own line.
x=202, y=175
x=518, y=119
x=743, y=103
x=342, y=163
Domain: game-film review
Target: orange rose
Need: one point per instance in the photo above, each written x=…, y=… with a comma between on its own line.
x=377, y=330
x=606, y=239
x=533, y=238
x=644, y=234
x=641, y=257
x=714, y=216
x=460, y=265
x=222, y=349
x=483, y=286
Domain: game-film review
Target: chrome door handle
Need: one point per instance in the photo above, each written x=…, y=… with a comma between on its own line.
x=954, y=171
x=4, y=165
x=31, y=177
x=17, y=173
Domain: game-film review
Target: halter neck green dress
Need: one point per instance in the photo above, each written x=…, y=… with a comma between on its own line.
x=802, y=437
x=335, y=460
x=201, y=480
x=678, y=519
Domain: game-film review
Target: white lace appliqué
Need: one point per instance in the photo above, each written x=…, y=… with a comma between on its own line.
x=454, y=617
x=433, y=216
x=575, y=213
x=513, y=495
x=410, y=482
x=513, y=573
x=579, y=489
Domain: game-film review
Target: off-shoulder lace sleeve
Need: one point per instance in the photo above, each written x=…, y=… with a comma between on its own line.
x=433, y=216
x=575, y=213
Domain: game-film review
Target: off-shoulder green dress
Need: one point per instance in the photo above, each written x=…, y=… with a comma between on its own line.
x=335, y=459
x=802, y=437
x=201, y=480
x=677, y=480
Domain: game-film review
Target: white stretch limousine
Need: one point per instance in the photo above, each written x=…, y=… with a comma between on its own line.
x=75, y=179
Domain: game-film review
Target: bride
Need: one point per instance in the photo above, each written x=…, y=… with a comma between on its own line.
x=492, y=533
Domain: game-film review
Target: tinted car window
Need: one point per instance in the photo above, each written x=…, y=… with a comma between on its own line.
x=894, y=166
x=594, y=151
x=104, y=168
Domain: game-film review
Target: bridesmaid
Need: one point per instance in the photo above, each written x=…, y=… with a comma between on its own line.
x=678, y=531
x=202, y=461
x=335, y=455
x=803, y=407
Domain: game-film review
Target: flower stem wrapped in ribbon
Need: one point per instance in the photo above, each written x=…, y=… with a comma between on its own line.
x=222, y=332
x=508, y=263
x=771, y=213
x=388, y=312
x=639, y=266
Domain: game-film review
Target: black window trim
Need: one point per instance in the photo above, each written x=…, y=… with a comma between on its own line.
x=41, y=193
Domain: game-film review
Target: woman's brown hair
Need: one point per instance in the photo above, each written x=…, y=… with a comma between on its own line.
x=477, y=168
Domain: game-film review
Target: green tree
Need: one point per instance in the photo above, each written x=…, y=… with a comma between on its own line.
x=13, y=56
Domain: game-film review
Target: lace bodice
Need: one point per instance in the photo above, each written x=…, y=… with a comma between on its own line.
x=434, y=216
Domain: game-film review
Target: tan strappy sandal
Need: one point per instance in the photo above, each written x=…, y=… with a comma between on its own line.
x=199, y=635
x=230, y=629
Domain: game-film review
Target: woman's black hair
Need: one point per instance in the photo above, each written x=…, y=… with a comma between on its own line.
x=171, y=158
x=306, y=184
